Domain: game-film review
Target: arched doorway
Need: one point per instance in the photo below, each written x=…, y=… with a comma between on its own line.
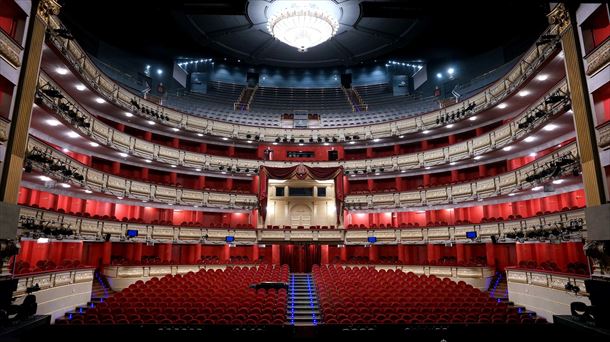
x=300, y=215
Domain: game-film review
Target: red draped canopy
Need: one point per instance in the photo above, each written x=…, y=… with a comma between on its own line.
x=301, y=172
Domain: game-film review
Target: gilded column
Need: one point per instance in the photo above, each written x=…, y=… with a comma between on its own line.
x=597, y=211
x=592, y=173
x=24, y=100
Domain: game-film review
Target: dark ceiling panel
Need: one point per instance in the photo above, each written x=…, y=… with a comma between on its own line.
x=245, y=41
x=214, y=23
x=391, y=26
x=413, y=29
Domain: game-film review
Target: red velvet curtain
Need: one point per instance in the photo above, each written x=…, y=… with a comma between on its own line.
x=301, y=172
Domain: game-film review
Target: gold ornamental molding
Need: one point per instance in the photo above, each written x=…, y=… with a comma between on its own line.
x=603, y=136
x=598, y=59
x=48, y=8
x=9, y=50
x=560, y=17
x=3, y=131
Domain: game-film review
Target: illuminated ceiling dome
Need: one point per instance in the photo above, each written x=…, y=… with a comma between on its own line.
x=303, y=27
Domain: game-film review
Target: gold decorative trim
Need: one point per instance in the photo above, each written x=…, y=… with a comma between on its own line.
x=9, y=50
x=559, y=16
x=4, y=126
x=599, y=59
x=48, y=8
x=603, y=136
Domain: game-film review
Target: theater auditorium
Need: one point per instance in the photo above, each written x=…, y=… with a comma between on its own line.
x=304, y=169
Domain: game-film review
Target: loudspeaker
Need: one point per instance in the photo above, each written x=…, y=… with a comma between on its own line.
x=333, y=155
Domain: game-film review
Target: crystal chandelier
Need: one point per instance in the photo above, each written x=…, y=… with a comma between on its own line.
x=302, y=27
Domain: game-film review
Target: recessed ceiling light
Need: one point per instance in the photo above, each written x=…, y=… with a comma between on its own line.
x=477, y=157
x=45, y=178
x=80, y=87
x=198, y=170
x=249, y=141
x=42, y=240
x=223, y=172
x=523, y=93
x=100, y=100
x=352, y=142
x=377, y=173
x=199, y=134
x=61, y=71
x=65, y=150
x=425, y=131
x=150, y=122
x=376, y=140
x=533, y=154
x=94, y=144
x=175, y=129
x=173, y=165
x=144, y=201
x=64, y=185
x=529, y=139
x=124, y=155
x=225, y=138
x=549, y=127
x=87, y=191
x=502, y=105
x=53, y=122
x=353, y=175
x=542, y=77
x=274, y=143
x=507, y=148
x=119, y=197
x=170, y=203
x=452, y=163
x=472, y=118
x=73, y=135
x=148, y=161
x=558, y=181
x=128, y=114
x=427, y=167
x=449, y=126
x=401, y=136
x=512, y=194
x=325, y=144
x=537, y=188
x=247, y=174
x=301, y=144
x=403, y=171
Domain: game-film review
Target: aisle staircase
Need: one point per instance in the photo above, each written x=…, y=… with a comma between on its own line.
x=302, y=308
x=498, y=288
x=100, y=291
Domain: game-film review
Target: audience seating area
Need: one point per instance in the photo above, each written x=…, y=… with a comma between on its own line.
x=549, y=265
x=365, y=296
x=330, y=105
x=22, y=267
x=221, y=297
x=205, y=260
x=289, y=99
x=457, y=222
x=392, y=260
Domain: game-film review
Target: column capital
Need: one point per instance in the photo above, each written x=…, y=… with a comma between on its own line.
x=48, y=8
x=560, y=16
